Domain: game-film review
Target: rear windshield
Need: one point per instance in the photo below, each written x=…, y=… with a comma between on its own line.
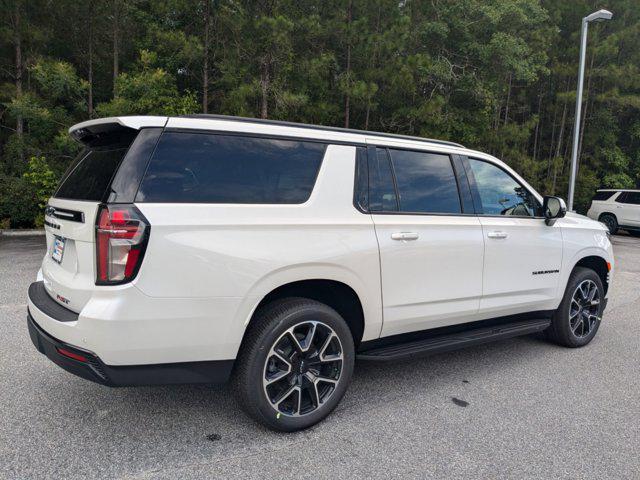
x=600, y=196
x=216, y=168
x=90, y=174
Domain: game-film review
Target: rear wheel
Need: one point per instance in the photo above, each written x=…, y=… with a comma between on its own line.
x=610, y=221
x=295, y=364
x=578, y=317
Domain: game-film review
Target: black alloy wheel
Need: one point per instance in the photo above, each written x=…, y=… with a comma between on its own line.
x=584, y=310
x=295, y=363
x=302, y=369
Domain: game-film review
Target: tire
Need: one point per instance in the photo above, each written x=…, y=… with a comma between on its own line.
x=577, y=319
x=294, y=365
x=610, y=221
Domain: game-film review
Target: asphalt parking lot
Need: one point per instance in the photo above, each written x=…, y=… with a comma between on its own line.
x=533, y=410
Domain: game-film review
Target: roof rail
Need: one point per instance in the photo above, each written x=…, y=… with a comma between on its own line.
x=318, y=127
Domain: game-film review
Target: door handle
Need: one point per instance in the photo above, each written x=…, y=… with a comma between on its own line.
x=404, y=236
x=497, y=234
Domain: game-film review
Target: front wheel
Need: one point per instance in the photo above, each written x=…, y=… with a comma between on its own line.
x=295, y=364
x=578, y=317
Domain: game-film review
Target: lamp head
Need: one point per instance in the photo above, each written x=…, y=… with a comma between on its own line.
x=599, y=16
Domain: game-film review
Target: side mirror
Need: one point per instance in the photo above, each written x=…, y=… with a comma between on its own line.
x=553, y=208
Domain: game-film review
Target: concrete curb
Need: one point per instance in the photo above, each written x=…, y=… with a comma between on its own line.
x=21, y=233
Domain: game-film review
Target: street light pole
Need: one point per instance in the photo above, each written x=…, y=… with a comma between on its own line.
x=598, y=16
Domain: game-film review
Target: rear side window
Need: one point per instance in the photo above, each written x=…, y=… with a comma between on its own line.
x=602, y=196
x=426, y=182
x=212, y=168
x=90, y=174
x=382, y=193
x=361, y=190
x=629, y=197
x=633, y=197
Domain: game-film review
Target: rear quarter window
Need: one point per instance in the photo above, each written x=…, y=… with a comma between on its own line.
x=602, y=196
x=215, y=168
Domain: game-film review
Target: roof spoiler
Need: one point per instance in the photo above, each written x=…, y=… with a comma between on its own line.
x=112, y=131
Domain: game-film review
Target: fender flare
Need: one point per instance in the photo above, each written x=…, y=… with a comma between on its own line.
x=573, y=262
x=371, y=302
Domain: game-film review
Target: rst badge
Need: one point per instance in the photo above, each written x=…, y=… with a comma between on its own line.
x=62, y=299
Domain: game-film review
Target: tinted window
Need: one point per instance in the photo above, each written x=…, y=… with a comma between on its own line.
x=500, y=193
x=126, y=181
x=634, y=197
x=426, y=182
x=89, y=176
x=601, y=196
x=361, y=195
x=382, y=193
x=207, y=168
x=629, y=197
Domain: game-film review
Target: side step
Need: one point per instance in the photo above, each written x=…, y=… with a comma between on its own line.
x=452, y=341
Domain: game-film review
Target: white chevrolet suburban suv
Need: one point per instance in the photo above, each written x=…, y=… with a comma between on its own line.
x=202, y=248
x=617, y=209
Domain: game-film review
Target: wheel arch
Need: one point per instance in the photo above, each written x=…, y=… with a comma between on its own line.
x=338, y=295
x=313, y=280
x=598, y=264
x=607, y=212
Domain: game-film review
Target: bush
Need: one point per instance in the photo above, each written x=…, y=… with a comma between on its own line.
x=18, y=203
x=43, y=181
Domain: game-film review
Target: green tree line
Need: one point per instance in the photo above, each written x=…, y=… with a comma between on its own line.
x=496, y=75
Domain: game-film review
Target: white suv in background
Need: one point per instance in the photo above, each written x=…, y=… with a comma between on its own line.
x=617, y=209
x=203, y=248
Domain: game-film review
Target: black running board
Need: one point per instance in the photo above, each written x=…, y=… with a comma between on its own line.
x=454, y=341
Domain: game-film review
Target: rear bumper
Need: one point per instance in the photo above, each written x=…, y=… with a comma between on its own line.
x=217, y=371
x=48, y=306
x=48, y=346
x=123, y=326
x=94, y=369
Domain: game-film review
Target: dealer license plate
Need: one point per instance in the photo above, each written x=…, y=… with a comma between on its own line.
x=58, y=249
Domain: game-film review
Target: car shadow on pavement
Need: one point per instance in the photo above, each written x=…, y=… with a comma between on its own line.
x=208, y=410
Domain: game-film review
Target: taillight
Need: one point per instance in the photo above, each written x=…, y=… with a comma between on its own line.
x=122, y=234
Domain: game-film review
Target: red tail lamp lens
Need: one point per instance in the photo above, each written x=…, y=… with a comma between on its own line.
x=122, y=234
x=70, y=354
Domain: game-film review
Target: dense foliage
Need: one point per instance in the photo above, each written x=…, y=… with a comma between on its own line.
x=497, y=75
